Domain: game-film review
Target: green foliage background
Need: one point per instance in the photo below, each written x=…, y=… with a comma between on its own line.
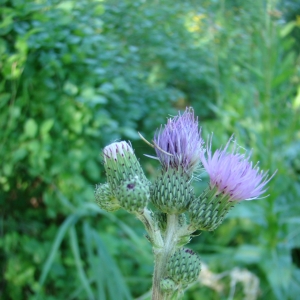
x=78, y=75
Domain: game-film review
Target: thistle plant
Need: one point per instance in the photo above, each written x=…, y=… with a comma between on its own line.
x=178, y=211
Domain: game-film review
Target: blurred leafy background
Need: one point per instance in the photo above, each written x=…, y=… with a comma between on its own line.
x=78, y=75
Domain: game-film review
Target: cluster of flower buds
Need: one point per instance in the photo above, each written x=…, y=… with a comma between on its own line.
x=126, y=185
x=181, y=152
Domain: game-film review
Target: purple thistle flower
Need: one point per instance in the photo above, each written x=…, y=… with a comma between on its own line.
x=233, y=174
x=179, y=143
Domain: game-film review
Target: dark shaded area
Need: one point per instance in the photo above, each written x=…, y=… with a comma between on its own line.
x=296, y=256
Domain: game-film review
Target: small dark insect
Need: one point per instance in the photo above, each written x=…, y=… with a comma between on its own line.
x=130, y=185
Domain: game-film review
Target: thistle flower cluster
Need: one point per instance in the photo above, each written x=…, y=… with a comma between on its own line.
x=179, y=211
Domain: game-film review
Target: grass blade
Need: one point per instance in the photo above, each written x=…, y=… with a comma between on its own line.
x=72, y=219
x=81, y=273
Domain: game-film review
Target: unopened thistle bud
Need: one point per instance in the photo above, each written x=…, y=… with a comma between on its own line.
x=120, y=164
x=105, y=199
x=233, y=178
x=208, y=211
x=183, y=267
x=172, y=192
x=133, y=194
x=125, y=176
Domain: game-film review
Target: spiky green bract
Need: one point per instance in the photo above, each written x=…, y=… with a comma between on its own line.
x=183, y=267
x=208, y=211
x=133, y=194
x=167, y=285
x=105, y=199
x=120, y=164
x=172, y=191
x=125, y=176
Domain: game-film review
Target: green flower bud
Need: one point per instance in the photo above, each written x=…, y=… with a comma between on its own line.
x=121, y=164
x=126, y=177
x=105, y=199
x=208, y=211
x=172, y=192
x=133, y=194
x=167, y=286
x=183, y=267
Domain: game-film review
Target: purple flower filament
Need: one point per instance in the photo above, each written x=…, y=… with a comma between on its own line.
x=180, y=141
x=233, y=174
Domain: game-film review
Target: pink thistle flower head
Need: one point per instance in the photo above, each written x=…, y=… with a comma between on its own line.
x=233, y=174
x=179, y=143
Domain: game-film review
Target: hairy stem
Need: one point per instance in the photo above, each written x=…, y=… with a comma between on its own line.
x=162, y=255
x=152, y=228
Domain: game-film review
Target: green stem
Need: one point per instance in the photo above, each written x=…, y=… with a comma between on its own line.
x=152, y=228
x=162, y=255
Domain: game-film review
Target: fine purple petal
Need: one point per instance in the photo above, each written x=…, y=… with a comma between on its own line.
x=180, y=137
x=233, y=174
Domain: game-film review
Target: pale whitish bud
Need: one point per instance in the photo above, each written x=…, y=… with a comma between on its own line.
x=208, y=211
x=172, y=191
x=125, y=176
x=105, y=199
x=183, y=267
x=120, y=164
x=133, y=194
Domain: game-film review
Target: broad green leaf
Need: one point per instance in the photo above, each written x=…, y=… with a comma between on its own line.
x=30, y=128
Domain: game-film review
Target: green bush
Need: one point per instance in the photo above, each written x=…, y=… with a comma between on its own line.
x=77, y=75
